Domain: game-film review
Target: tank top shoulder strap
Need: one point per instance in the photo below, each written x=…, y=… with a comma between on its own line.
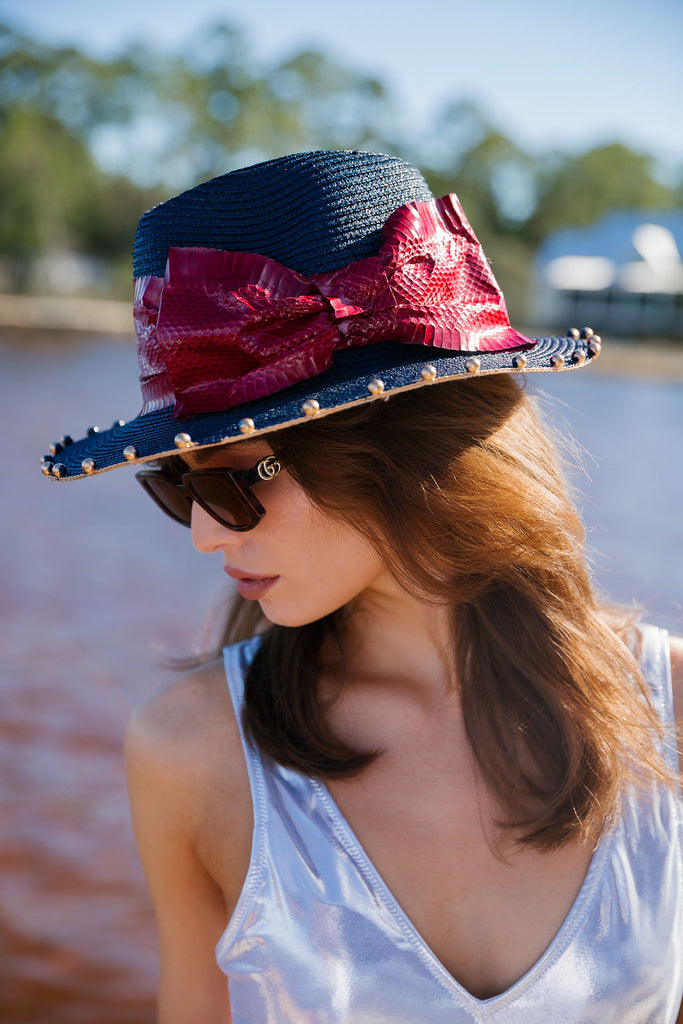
x=655, y=664
x=237, y=659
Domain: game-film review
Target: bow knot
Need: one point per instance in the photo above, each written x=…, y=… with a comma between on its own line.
x=222, y=328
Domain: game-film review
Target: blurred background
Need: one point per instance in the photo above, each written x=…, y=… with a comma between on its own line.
x=558, y=127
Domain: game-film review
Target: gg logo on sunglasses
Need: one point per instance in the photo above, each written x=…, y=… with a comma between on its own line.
x=268, y=467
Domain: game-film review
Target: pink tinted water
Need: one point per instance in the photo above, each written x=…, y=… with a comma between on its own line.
x=96, y=586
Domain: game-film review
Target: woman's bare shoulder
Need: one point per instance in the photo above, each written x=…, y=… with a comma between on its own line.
x=676, y=649
x=188, y=780
x=191, y=810
x=188, y=728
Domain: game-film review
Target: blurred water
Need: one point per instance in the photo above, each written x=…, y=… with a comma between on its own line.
x=96, y=585
x=627, y=433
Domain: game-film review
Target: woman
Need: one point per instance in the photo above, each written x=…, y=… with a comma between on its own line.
x=440, y=783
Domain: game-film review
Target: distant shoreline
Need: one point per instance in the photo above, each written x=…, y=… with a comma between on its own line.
x=658, y=359
x=46, y=316
x=58, y=313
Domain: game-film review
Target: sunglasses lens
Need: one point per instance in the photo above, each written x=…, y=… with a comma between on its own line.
x=171, y=497
x=222, y=498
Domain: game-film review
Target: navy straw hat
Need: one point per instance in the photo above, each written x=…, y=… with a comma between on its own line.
x=283, y=292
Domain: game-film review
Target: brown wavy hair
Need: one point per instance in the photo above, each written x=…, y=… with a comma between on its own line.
x=460, y=487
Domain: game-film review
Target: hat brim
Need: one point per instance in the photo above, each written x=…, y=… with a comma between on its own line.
x=356, y=376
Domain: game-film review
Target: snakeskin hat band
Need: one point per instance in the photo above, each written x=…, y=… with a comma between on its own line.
x=286, y=291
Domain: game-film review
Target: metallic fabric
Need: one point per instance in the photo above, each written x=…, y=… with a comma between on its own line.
x=223, y=328
x=317, y=938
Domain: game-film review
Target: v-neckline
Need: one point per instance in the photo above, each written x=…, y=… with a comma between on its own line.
x=354, y=848
x=562, y=938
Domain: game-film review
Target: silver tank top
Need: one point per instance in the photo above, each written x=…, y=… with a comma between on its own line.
x=317, y=937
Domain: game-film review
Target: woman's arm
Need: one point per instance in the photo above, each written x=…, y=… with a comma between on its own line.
x=172, y=776
x=676, y=648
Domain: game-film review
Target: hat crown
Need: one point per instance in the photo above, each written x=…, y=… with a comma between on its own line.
x=313, y=212
x=259, y=305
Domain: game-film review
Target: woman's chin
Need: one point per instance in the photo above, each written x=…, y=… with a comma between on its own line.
x=289, y=616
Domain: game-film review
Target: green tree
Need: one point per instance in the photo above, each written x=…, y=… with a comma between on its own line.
x=56, y=199
x=156, y=123
x=581, y=189
x=174, y=119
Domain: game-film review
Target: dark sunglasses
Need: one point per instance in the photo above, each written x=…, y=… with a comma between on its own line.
x=224, y=493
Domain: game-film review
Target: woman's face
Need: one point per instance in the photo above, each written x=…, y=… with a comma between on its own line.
x=297, y=562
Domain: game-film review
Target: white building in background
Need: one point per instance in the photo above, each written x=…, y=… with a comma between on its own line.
x=622, y=275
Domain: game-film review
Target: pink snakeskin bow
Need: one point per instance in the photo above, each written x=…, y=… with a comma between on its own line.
x=222, y=328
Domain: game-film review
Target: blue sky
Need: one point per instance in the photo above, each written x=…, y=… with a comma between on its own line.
x=565, y=75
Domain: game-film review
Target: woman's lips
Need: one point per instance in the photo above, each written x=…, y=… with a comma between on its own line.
x=251, y=587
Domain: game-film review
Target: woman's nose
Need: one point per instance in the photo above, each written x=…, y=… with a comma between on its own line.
x=208, y=535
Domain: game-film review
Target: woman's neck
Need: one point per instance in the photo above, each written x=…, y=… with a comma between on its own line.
x=391, y=636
